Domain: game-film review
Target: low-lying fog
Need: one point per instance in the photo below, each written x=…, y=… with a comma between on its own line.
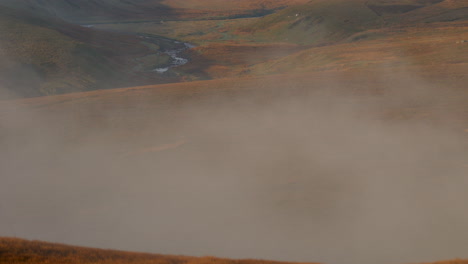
x=314, y=176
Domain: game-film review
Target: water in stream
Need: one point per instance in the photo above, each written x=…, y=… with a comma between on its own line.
x=176, y=60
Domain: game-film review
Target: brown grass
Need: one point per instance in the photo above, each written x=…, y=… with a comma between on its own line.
x=13, y=250
x=231, y=5
x=229, y=60
x=437, y=46
x=168, y=99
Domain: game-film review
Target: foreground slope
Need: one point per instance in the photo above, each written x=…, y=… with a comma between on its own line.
x=296, y=165
x=14, y=250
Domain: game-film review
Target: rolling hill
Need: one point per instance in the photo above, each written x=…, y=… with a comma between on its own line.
x=291, y=155
x=398, y=34
x=100, y=11
x=228, y=47
x=14, y=250
x=326, y=22
x=331, y=130
x=433, y=48
x=45, y=55
x=317, y=22
x=324, y=35
x=77, y=11
x=424, y=35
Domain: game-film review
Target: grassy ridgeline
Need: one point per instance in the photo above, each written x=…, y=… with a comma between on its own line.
x=13, y=250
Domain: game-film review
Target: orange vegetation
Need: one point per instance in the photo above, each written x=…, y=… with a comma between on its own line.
x=231, y=5
x=13, y=250
x=194, y=9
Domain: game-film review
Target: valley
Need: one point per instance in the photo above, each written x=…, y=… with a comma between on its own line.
x=43, y=56
x=323, y=131
x=228, y=46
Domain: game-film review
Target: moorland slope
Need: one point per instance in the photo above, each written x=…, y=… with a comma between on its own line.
x=299, y=36
x=46, y=55
x=323, y=35
x=14, y=250
x=102, y=11
x=327, y=22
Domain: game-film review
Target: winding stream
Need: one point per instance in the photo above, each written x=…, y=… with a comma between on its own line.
x=176, y=60
x=177, y=47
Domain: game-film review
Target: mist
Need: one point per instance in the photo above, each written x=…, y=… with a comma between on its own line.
x=281, y=170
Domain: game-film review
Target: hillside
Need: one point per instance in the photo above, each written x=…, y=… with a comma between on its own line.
x=299, y=36
x=100, y=11
x=433, y=48
x=323, y=22
x=14, y=250
x=232, y=5
x=312, y=161
x=77, y=11
x=422, y=11
x=42, y=56
x=333, y=131
x=317, y=22
x=420, y=35
x=322, y=35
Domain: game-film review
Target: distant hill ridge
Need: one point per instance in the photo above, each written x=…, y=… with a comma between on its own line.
x=89, y=10
x=321, y=22
x=154, y=10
